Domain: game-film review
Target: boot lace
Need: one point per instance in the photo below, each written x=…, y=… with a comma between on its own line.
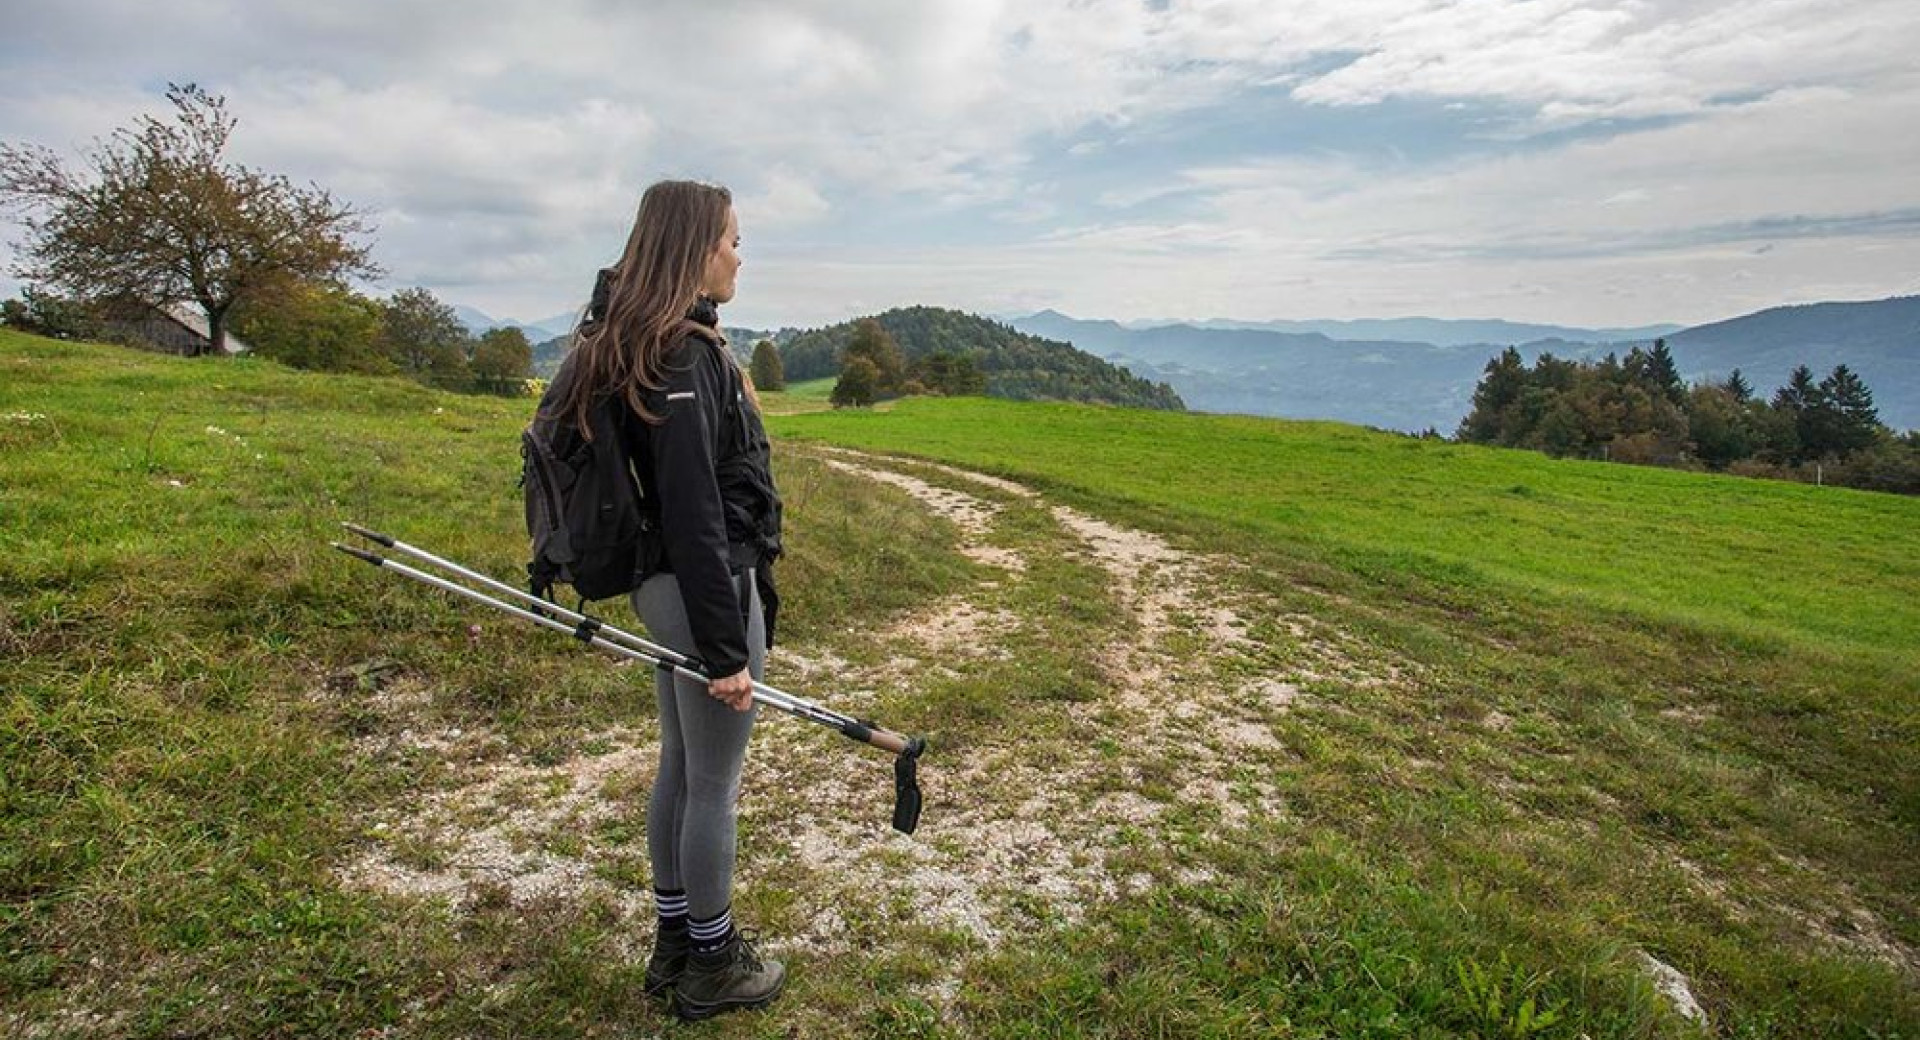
x=745, y=954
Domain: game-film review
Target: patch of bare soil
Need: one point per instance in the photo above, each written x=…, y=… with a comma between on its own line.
x=972, y=515
x=1009, y=845
x=1841, y=922
x=508, y=827
x=1016, y=839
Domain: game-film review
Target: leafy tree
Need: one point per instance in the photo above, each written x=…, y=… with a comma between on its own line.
x=765, y=369
x=424, y=338
x=1718, y=425
x=49, y=314
x=1651, y=428
x=1891, y=463
x=502, y=361
x=954, y=375
x=1567, y=407
x=1776, y=432
x=874, y=343
x=1562, y=429
x=858, y=384
x=159, y=215
x=316, y=326
x=1620, y=407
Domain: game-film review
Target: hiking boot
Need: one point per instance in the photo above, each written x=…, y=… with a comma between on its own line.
x=734, y=978
x=670, y=952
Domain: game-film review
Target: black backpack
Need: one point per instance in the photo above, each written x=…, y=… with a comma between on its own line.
x=588, y=515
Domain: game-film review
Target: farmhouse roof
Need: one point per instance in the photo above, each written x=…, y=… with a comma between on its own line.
x=194, y=320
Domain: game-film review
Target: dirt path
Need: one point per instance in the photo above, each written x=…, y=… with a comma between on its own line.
x=1018, y=835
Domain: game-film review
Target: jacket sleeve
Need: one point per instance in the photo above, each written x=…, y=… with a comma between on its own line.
x=692, y=519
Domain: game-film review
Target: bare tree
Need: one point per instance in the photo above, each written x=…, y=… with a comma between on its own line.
x=158, y=215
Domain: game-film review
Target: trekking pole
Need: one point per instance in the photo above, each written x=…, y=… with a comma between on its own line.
x=595, y=632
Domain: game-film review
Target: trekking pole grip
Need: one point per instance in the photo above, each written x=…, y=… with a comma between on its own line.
x=887, y=740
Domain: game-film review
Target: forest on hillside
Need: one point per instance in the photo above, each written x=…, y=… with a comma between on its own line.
x=1016, y=365
x=1637, y=409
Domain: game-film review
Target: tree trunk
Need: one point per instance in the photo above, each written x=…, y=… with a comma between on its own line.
x=217, y=331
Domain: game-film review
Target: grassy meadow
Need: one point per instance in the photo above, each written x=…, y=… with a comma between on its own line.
x=1551, y=716
x=813, y=395
x=1811, y=570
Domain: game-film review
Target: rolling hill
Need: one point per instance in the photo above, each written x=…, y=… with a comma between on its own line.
x=1878, y=339
x=1441, y=332
x=1238, y=728
x=548, y=353
x=1409, y=385
x=1018, y=366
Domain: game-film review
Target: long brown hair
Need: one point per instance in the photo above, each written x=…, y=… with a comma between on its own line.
x=650, y=293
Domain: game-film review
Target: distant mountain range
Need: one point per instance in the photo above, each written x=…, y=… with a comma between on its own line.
x=1017, y=365
x=1441, y=332
x=1406, y=374
x=548, y=352
x=1301, y=370
x=478, y=321
x=1879, y=340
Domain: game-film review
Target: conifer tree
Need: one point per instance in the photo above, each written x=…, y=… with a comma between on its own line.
x=1738, y=386
x=1799, y=393
x=1846, y=420
x=1492, y=419
x=765, y=367
x=1797, y=405
x=1655, y=371
x=951, y=374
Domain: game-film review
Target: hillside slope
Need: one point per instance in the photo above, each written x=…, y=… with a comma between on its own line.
x=1402, y=384
x=1878, y=339
x=1018, y=366
x=1238, y=728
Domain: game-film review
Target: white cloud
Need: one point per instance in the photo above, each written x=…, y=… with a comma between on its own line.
x=502, y=146
x=786, y=200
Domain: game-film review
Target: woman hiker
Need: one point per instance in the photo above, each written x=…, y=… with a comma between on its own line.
x=693, y=430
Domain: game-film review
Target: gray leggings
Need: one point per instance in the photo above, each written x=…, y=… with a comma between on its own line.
x=703, y=743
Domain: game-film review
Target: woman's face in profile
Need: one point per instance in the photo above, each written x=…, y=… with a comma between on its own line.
x=723, y=267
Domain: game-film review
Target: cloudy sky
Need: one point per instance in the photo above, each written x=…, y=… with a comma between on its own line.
x=1577, y=161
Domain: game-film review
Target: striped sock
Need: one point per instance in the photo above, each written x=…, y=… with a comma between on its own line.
x=709, y=936
x=672, y=907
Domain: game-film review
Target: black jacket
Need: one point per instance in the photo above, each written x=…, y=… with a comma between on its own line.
x=707, y=468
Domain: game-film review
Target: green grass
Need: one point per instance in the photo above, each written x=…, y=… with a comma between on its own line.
x=810, y=396
x=1815, y=570
x=1704, y=690
x=1597, y=606
x=180, y=775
